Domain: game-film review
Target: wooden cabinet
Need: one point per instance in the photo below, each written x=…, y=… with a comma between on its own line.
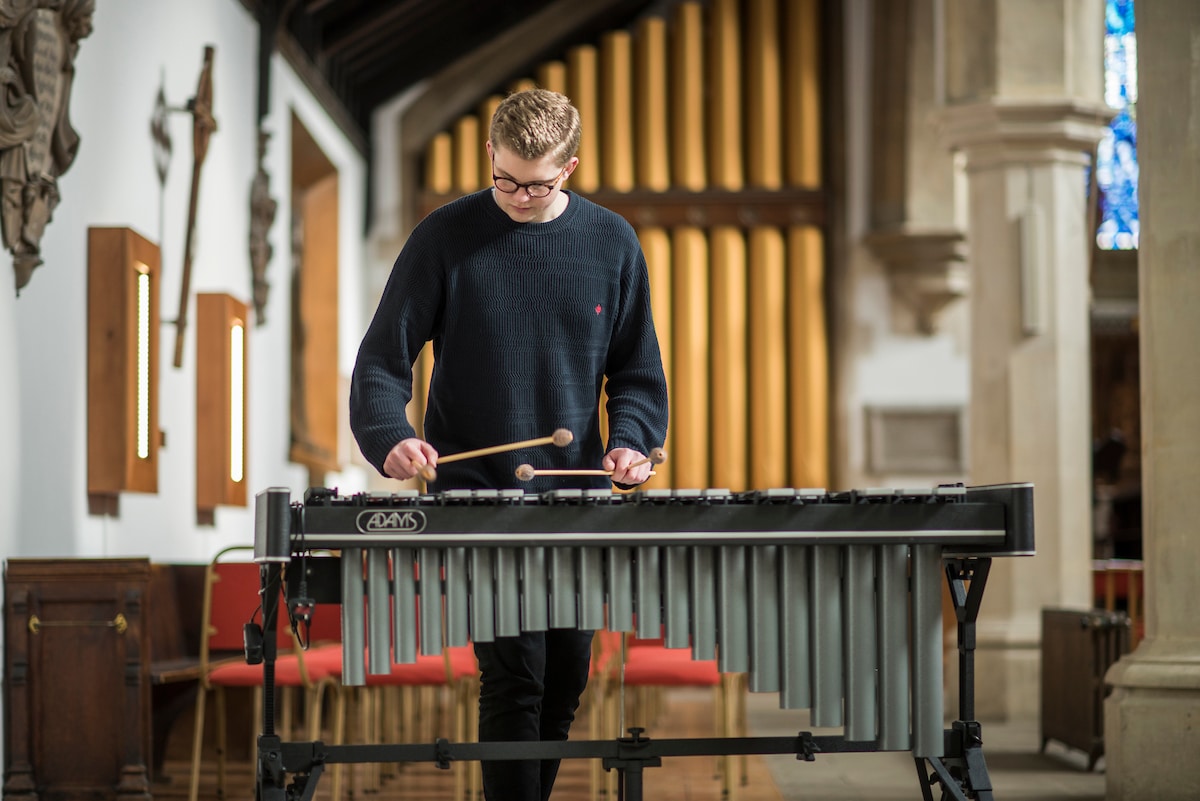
x=76, y=692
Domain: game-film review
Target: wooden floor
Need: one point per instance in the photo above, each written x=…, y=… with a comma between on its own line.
x=686, y=713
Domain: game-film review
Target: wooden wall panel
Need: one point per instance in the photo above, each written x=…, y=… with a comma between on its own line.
x=616, y=111
x=730, y=410
x=768, y=359
x=690, y=325
x=808, y=368
x=315, y=406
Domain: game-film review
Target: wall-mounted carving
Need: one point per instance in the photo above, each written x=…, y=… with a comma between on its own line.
x=262, y=216
x=37, y=143
x=160, y=134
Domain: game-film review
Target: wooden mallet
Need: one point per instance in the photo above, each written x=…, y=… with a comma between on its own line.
x=561, y=437
x=528, y=472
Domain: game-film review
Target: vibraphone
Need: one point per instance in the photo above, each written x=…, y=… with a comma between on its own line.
x=833, y=600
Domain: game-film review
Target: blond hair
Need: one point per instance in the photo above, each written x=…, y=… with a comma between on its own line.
x=535, y=123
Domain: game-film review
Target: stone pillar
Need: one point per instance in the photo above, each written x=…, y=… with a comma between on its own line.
x=1152, y=717
x=1025, y=111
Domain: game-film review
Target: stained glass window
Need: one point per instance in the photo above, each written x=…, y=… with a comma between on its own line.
x=1116, y=158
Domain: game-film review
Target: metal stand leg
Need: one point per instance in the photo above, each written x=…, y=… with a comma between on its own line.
x=629, y=769
x=963, y=771
x=270, y=773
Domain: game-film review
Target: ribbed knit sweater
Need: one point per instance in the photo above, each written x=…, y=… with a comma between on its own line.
x=526, y=320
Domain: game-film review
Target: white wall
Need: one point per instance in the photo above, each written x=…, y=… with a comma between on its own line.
x=43, y=433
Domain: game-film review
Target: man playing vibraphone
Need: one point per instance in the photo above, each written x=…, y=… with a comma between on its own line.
x=532, y=296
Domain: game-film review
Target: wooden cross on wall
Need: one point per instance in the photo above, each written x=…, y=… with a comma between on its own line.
x=203, y=126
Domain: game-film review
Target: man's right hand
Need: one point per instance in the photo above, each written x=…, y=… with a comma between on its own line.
x=407, y=458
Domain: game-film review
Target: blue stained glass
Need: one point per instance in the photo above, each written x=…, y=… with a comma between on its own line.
x=1116, y=158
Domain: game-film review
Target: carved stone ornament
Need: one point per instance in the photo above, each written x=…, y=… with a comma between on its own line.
x=926, y=270
x=39, y=40
x=262, y=216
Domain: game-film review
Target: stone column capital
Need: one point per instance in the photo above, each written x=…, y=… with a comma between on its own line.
x=1003, y=131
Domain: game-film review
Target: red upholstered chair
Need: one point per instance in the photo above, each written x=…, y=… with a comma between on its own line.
x=378, y=712
x=231, y=599
x=648, y=667
x=604, y=671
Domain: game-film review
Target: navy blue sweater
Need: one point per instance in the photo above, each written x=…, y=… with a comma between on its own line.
x=526, y=320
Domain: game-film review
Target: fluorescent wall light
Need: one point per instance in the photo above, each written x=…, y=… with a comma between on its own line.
x=220, y=401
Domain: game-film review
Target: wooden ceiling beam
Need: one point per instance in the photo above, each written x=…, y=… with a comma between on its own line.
x=363, y=31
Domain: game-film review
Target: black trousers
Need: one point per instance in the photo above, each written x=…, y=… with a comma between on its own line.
x=530, y=689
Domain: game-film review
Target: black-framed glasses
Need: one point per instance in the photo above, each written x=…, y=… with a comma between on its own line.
x=536, y=189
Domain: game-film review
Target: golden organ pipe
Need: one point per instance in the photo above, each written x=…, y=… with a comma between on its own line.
x=466, y=154
x=616, y=111
x=687, y=98
x=653, y=163
x=582, y=81
x=768, y=362
x=808, y=370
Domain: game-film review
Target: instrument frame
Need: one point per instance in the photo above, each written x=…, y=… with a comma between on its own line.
x=794, y=517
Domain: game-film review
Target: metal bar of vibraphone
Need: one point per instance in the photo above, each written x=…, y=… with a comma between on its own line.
x=733, y=653
x=703, y=602
x=763, y=628
x=404, y=606
x=859, y=632
x=379, y=657
x=534, y=590
x=429, y=561
x=484, y=594
x=891, y=564
x=928, y=734
x=675, y=596
x=560, y=567
x=508, y=592
x=795, y=674
x=456, y=589
x=354, y=672
x=648, y=592
x=590, y=570
x=825, y=627
x=618, y=586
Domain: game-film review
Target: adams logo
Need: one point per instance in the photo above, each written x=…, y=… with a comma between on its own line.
x=407, y=522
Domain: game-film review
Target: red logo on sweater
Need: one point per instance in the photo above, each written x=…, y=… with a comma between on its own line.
x=598, y=309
